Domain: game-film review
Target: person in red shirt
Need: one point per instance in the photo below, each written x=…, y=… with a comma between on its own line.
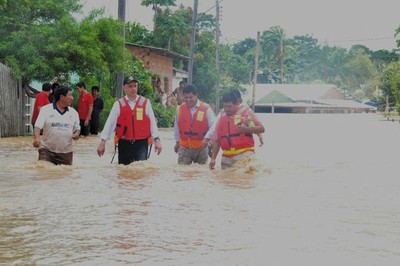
x=42, y=98
x=85, y=108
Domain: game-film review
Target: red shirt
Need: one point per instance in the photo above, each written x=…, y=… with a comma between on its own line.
x=85, y=101
x=41, y=100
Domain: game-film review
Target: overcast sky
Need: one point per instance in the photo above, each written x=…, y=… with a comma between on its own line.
x=335, y=22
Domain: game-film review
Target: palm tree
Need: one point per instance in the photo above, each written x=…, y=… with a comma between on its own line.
x=273, y=45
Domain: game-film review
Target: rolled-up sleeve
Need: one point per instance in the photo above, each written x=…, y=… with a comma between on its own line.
x=211, y=121
x=111, y=123
x=177, y=135
x=153, y=122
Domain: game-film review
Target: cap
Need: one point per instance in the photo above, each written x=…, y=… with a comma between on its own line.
x=129, y=79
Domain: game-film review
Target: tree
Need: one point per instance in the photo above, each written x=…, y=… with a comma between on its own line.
x=242, y=47
x=137, y=34
x=272, y=43
x=174, y=28
x=234, y=65
x=156, y=6
x=303, y=64
x=397, y=33
x=391, y=84
x=30, y=36
x=204, y=67
x=362, y=73
x=42, y=40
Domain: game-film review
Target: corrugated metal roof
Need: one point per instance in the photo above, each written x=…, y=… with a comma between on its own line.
x=296, y=92
x=161, y=51
x=275, y=97
x=301, y=95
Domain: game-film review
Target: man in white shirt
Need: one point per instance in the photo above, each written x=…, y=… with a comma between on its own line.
x=132, y=120
x=60, y=124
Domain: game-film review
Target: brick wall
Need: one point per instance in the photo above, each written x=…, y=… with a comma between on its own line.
x=155, y=63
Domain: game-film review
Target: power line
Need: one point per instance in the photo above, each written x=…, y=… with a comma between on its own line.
x=363, y=40
x=212, y=7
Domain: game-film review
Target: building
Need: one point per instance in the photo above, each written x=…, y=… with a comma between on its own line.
x=15, y=106
x=305, y=98
x=161, y=62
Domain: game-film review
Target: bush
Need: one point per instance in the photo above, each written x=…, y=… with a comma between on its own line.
x=165, y=116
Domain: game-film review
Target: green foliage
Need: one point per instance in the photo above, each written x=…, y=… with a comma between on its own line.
x=165, y=116
x=52, y=43
x=204, y=68
x=173, y=28
x=158, y=2
x=42, y=40
x=363, y=73
x=243, y=47
x=391, y=84
x=137, y=34
x=397, y=33
x=234, y=65
x=302, y=66
x=108, y=99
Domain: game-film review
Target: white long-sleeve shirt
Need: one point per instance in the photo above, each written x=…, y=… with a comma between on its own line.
x=111, y=123
x=210, y=120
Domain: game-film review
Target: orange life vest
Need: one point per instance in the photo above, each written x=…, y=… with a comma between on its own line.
x=234, y=143
x=133, y=124
x=192, y=130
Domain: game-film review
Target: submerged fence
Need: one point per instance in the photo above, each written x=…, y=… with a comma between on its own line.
x=13, y=105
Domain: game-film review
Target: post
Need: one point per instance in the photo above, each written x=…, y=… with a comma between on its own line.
x=192, y=41
x=217, y=34
x=120, y=74
x=255, y=71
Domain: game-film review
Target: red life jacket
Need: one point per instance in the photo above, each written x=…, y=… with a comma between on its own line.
x=133, y=124
x=234, y=143
x=192, y=130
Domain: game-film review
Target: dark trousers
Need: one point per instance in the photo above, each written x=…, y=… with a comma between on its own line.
x=94, y=125
x=132, y=150
x=54, y=157
x=84, y=129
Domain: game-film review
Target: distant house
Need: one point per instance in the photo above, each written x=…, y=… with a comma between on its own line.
x=160, y=62
x=305, y=98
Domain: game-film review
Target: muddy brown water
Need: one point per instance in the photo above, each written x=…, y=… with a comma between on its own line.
x=324, y=190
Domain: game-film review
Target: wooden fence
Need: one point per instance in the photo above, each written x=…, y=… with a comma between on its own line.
x=14, y=105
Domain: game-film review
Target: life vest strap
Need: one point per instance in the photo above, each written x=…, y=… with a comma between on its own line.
x=190, y=133
x=195, y=144
x=233, y=152
x=236, y=135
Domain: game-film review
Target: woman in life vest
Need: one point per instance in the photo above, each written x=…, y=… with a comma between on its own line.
x=132, y=119
x=234, y=132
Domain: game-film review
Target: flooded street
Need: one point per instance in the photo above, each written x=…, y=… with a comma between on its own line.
x=323, y=191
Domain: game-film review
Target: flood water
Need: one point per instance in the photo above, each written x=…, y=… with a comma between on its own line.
x=324, y=190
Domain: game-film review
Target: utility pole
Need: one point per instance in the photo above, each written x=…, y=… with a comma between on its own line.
x=255, y=70
x=120, y=74
x=217, y=35
x=192, y=41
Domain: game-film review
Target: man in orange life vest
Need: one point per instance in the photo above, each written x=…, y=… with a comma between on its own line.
x=132, y=120
x=192, y=128
x=234, y=133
